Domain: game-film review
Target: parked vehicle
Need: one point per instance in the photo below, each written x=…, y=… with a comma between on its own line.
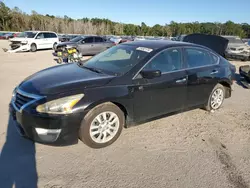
x=9, y=36
x=116, y=39
x=127, y=83
x=126, y=39
x=2, y=35
x=237, y=49
x=66, y=38
x=34, y=40
x=87, y=45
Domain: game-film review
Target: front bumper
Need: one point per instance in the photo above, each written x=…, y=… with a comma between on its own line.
x=27, y=123
x=19, y=48
x=241, y=56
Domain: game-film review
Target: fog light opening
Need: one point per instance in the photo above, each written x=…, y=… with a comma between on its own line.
x=48, y=135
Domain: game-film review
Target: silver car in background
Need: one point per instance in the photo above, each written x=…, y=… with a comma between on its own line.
x=237, y=49
x=87, y=45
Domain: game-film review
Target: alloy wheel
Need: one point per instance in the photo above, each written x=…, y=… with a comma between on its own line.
x=217, y=98
x=104, y=127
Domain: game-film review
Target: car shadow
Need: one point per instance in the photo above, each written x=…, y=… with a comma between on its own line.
x=17, y=160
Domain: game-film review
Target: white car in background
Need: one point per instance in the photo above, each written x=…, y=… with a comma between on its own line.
x=116, y=39
x=34, y=40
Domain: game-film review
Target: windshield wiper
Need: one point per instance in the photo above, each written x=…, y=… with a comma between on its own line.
x=92, y=69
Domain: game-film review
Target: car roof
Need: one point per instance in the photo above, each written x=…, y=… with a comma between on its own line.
x=41, y=31
x=159, y=44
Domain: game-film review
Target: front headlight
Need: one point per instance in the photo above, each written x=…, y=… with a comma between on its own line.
x=60, y=106
x=24, y=42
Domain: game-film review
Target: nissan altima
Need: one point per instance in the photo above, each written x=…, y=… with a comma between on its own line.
x=93, y=100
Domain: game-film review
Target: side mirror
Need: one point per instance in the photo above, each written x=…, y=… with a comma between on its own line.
x=83, y=42
x=150, y=74
x=38, y=37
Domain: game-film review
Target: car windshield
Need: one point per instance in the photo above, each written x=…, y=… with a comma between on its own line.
x=118, y=59
x=76, y=39
x=27, y=34
x=235, y=40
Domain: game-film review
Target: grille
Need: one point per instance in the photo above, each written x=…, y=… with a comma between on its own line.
x=241, y=49
x=233, y=49
x=21, y=100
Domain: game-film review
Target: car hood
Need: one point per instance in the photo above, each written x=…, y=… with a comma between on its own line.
x=237, y=45
x=66, y=43
x=61, y=79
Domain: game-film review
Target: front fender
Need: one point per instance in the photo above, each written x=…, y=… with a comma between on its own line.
x=120, y=95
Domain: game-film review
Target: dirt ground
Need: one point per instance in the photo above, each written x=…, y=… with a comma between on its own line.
x=189, y=150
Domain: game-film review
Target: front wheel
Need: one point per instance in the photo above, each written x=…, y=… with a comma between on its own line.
x=216, y=98
x=33, y=47
x=102, y=125
x=54, y=46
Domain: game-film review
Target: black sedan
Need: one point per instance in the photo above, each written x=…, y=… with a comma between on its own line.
x=127, y=83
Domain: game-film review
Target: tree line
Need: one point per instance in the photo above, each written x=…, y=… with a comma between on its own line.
x=16, y=20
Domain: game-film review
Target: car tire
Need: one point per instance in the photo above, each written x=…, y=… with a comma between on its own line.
x=33, y=47
x=96, y=132
x=216, y=98
x=54, y=46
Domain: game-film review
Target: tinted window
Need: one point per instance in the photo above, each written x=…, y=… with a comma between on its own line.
x=98, y=39
x=166, y=61
x=50, y=35
x=89, y=40
x=76, y=39
x=47, y=35
x=40, y=36
x=198, y=58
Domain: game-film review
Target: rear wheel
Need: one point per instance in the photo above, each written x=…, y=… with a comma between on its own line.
x=102, y=125
x=33, y=47
x=216, y=98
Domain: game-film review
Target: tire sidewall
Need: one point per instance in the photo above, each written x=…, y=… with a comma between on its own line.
x=54, y=46
x=31, y=49
x=84, y=132
x=218, y=86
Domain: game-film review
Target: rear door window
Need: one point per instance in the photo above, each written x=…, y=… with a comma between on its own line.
x=47, y=35
x=199, y=58
x=89, y=40
x=98, y=39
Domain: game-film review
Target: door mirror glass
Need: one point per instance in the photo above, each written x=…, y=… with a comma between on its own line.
x=150, y=74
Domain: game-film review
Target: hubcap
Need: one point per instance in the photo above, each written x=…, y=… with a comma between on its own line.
x=104, y=127
x=217, y=98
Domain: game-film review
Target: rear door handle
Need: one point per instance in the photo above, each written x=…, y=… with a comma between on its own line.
x=181, y=80
x=214, y=72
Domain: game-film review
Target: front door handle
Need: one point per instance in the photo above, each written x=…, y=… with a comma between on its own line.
x=214, y=72
x=181, y=80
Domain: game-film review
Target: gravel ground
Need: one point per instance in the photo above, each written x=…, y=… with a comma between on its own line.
x=190, y=149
